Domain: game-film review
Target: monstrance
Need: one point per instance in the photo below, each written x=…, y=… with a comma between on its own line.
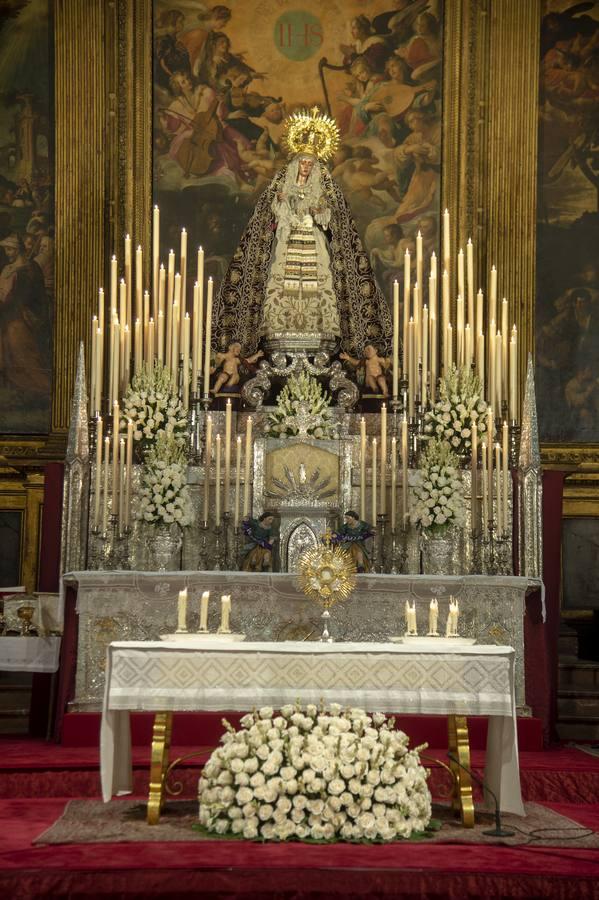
x=328, y=575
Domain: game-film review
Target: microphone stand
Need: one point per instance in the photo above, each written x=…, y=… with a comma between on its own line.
x=498, y=831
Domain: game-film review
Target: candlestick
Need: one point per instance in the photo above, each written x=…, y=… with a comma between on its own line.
x=204, y=612
x=406, y=310
x=182, y=612
x=247, y=462
x=395, y=339
x=474, y=475
x=106, y=484
x=186, y=333
x=393, y=482
x=129, y=473
x=225, y=612
x=499, y=514
x=362, y=468
x=207, y=345
x=383, y=482
x=98, y=473
x=507, y=483
x=217, y=486
x=207, y=459
x=237, y=481
x=227, y=486
x=115, y=457
x=374, y=479
x=404, y=471
x=485, y=485
x=121, y=504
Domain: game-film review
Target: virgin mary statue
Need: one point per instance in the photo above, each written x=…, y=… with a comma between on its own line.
x=300, y=277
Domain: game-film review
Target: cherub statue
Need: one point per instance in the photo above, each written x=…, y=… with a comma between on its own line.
x=375, y=367
x=229, y=364
x=353, y=534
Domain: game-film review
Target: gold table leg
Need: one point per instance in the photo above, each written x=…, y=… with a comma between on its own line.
x=459, y=746
x=161, y=741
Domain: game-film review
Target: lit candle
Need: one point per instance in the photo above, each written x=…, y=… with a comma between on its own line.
x=424, y=353
x=199, y=322
x=176, y=326
x=237, y=481
x=208, y=341
x=139, y=283
x=101, y=308
x=383, y=481
x=98, y=472
x=170, y=278
x=504, y=352
x=404, y=471
x=151, y=342
x=513, y=377
x=474, y=475
x=247, y=463
x=485, y=486
x=129, y=472
x=183, y=269
x=393, y=482
x=161, y=314
x=395, y=339
x=93, y=367
x=182, y=612
x=225, y=612
x=446, y=241
x=411, y=381
x=417, y=335
x=493, y=295
x=217, y=485
x=106, y=484
x=470, y=282
x=362, y=468
x=507, y=483
x=419, y=258
x=207, y=460
x=374, y=479
x=227, y=485
x=461, y=279
x=406, y=309
x=115, y=457
x=204, y=612
x=194, y=342
x=186, y=333
x=155, y=249
x=499, y=514
x=434, y=264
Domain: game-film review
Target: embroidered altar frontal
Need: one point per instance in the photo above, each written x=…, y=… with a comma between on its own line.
x=114, y=606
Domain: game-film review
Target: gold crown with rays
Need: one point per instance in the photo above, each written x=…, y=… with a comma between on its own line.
x=310, y=131
x=327, y=572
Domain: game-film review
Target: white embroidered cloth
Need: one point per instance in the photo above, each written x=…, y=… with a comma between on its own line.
x=392, y=678
x=29, y=654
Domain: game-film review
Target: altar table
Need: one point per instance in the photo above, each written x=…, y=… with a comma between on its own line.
x=166, y=677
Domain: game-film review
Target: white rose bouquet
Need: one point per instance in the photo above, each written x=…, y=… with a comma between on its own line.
x=313, y=773
x=302, y=408
x=438, y=490
x=152, y=403
x=164, y=495
x=460, y=403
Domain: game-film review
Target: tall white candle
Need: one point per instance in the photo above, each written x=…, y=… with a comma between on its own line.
x=383, y=451
x=362, y=468
x=513, y=379
x=186, y=333
x=446, y=241
x=461, y=278
x=237, y=481
x=406, y=309
x=419, y=258
x=208, y=341
x=227, y=480
x=98, y=473
x=247, y=465
x=393, y=483
x=161, y=313
x=139, y=283
x=374, y=479
x=183, y=269
x=505, y=336
x=225, y=612
x=395, y=339
x=182, y=612
x=424, y=354
x=155, y=250
x=470, y=283
x=217, y=485
x=493, y=295
x=204, y=611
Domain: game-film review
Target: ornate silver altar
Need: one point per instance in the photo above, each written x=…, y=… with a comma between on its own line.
x=141, y=606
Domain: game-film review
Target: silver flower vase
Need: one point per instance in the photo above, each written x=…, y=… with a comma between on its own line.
x=441, y=551
x=164, y=543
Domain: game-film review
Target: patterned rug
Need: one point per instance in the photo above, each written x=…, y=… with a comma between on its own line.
x=92, y=821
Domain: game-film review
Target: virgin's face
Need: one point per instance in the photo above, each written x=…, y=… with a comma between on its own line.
x=305, y=167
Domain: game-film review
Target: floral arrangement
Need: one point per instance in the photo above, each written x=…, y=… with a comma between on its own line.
x=460, y=403
x=314, y=774
x=438, y=488
x=302, y=409
x=164, y=495
x=152, y=403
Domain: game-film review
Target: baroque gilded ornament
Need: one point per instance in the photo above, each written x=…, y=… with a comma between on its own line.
x=327, y=573
x=310, y=131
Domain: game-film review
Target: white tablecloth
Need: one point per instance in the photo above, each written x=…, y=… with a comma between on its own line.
x=392, y=678
x=29, y=654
